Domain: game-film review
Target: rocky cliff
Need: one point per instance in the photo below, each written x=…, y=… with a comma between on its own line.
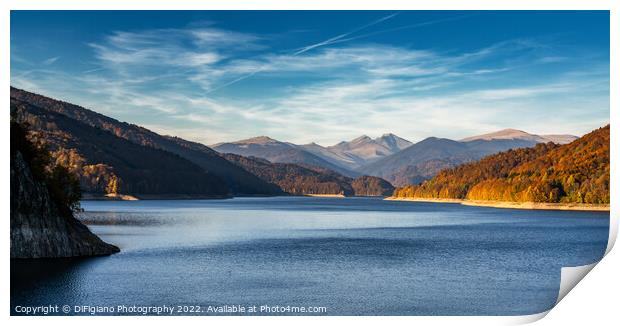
x=38, y=229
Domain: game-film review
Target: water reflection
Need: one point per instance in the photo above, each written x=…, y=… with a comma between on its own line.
x=36, y=281
x=354, y=256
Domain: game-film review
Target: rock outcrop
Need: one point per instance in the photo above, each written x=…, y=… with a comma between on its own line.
x=38, y=229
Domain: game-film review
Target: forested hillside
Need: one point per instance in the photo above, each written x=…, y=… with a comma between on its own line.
x=239, y=181
x=292, y=178
x=371, y=186
x=298, y=179
x=106, y=164
x=577, y=172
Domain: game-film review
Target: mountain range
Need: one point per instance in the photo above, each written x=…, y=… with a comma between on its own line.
x=390, y=157
x=577, y=172
x=344, y=157
x=359, y=151
x=108, y=154
x=109, y=157
x=278, y=152
x=426, y=158
x=522, y=135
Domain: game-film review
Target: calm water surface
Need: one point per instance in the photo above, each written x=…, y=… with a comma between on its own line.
x=353, y=256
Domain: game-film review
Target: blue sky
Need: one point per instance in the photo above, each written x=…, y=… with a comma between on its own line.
x=303, y=76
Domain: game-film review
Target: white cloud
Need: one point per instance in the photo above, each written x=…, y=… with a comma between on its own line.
x=171, y=79
x=523, y=92
x=170, y=47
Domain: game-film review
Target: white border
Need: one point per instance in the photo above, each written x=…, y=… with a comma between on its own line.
x=595, y=299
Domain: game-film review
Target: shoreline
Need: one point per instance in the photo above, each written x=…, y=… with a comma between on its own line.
x=511, y=205
x=121, y=197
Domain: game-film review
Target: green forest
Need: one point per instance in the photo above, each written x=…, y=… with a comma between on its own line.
x=577, y=172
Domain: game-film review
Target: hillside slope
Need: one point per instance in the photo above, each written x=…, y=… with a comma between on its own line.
x=577, y=172
x=109, y=164
x=296, y=179
x=238, y=180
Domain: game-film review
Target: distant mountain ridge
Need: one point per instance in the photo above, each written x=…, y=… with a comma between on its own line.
x=426, y=158
x=278, y=152
x=515, y=134
x=390, y=157
x=577, y=172
x=344, y=157
x=363, y=150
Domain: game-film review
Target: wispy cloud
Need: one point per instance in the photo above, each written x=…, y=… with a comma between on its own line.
x=399, y=28
x=50, y=61
x=304, y=49
x=337, y=38
x=171, y=80
x=345, y=37
x=172, y=47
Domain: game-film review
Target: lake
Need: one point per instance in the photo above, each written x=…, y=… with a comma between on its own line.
x=334, y=256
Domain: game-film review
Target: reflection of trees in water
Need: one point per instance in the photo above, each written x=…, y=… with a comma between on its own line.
x=121, y=218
